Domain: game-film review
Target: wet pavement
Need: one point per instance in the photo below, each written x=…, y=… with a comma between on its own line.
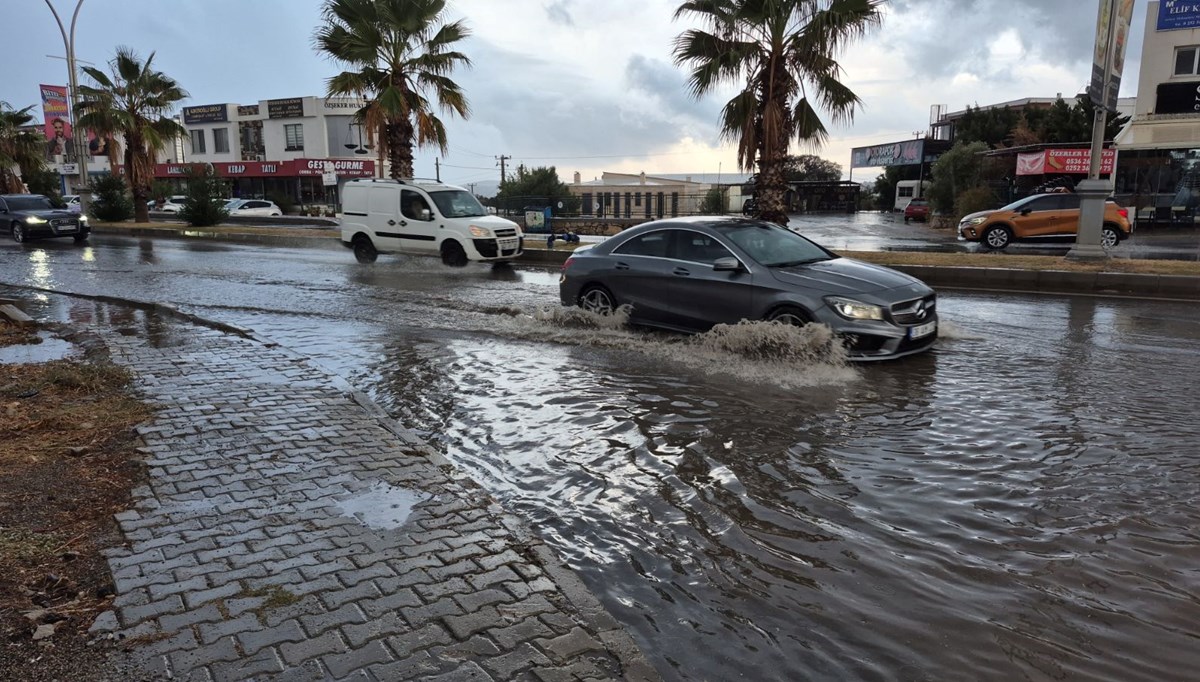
x=1020, y=503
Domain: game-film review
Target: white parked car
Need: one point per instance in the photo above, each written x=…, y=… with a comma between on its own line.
x=424, y=218
x=252, y=207
x=172, y=204
x=74, y=205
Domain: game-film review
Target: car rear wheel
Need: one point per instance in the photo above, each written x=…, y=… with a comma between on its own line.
x=997, y=237
x=1110, y=236
x=453, y=254
x=364, y=250
x=597, y=299
x=789, y=315
x=18, y=233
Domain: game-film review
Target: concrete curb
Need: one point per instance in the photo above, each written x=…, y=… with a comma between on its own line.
x=1170, y=287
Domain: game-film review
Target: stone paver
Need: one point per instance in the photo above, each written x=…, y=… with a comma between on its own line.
x=242, y=561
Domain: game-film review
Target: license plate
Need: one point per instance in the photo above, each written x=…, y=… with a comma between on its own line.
x=508, y=244
x=922, y=330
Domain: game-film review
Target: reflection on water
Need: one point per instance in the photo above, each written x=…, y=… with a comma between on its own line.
x=1015, y=504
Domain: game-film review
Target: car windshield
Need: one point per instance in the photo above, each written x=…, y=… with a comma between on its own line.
x=1016, y=205
x=29, y=204
x=455, y=203
x=233, y=203
x=774, y=246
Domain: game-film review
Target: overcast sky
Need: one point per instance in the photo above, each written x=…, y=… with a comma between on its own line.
x=583, y=85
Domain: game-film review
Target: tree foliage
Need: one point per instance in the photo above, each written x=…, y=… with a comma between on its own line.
x=137, y=102
x=956, y=171
x=399, y=56
x=811, y=168
x=204, y=205
x=714, y=202
x=1059, y=123
x=21, y=147
x=781, y=56
x=537, y=186
x=110, y=201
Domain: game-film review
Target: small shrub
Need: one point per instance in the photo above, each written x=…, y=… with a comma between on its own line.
x=714, y=202
x=283, y=201
x=110, y=202
x=204, y=206
x=972, y=200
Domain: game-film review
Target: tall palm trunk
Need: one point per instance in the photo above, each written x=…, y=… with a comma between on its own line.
x=139, y=184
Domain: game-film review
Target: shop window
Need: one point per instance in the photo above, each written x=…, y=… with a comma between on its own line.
x=294, y=137
x=197, y=137
x=1185, y=61
x=221, y=140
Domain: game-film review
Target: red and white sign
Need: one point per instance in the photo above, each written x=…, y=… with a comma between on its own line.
x=1070, y=161
x=355, y=168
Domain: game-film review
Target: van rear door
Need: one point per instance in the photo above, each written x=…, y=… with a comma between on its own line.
x=383, y=216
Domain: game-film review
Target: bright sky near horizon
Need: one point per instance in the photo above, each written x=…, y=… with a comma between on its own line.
x=581, y=85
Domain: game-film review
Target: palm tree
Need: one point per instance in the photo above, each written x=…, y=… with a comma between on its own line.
x=400, y=53
x=781, y=53
x=137, y=102
x=21, y=147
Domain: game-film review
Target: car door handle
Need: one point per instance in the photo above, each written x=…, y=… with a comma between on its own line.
x=621, y=266
x=682, y=272
x=391, y=222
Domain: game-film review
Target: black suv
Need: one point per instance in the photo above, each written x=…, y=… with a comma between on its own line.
x=32, y=216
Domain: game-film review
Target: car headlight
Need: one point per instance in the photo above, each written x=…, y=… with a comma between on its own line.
x=973, y=221
x=83, y=219
x=479, y=231
x=34, y=220
x=854, y=310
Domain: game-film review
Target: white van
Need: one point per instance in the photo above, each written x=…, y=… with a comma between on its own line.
x=418, y=217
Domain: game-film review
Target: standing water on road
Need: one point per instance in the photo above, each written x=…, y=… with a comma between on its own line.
x=1019, y=504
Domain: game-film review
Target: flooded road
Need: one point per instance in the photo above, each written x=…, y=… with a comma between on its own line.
x=1019, y=504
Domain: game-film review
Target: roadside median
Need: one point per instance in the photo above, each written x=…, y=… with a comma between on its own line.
x=979, y=271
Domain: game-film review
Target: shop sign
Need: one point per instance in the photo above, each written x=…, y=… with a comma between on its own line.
x=293, y=107
x=1178, y=14
x=1178, y=98
x=904, y=153
x=209, y=113
x=346, y=167
x=70, y=169
x=243, y=169
x=248, y=110
x=1065, y=161
x=342, y=105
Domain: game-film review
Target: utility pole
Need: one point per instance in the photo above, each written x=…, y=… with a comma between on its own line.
x=73, y=85
x=472, y=186
x=502, y=159
x=437, y=169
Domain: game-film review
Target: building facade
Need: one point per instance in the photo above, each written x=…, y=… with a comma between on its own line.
x=624, y=195
x=301, y=148
x=1158, y=165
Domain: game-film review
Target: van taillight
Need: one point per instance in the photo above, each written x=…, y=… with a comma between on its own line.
x=1124, y=212
x=567, y=263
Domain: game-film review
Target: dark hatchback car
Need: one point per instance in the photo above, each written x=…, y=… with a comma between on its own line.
x=32, y=216
x=688, y=274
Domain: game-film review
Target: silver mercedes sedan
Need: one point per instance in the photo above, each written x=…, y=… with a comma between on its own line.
x=688, y=274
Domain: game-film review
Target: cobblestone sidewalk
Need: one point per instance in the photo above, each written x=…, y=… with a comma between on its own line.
x=287, y=532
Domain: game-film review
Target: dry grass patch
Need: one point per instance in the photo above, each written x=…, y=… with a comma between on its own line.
x=67, y=464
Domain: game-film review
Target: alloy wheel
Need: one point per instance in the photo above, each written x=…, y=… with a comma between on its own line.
x=597, y=301
x=18, y=233
x=1109, y=238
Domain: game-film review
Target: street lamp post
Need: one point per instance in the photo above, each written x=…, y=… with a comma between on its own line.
x=81, y=150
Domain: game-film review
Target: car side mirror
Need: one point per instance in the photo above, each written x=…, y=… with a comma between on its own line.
x=426, y=214
x=727, y=264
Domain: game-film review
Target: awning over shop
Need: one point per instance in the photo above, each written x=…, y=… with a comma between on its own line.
x=1163, y=131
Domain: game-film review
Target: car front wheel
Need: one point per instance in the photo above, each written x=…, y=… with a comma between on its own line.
x=1109, y=236
x=597, y=299
x=453, y=254
x=997, y=237
x=81, y=237
x=18, y=233
x=789, y=315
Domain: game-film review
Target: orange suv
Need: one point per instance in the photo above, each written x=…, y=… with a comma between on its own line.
x=1041, y=216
